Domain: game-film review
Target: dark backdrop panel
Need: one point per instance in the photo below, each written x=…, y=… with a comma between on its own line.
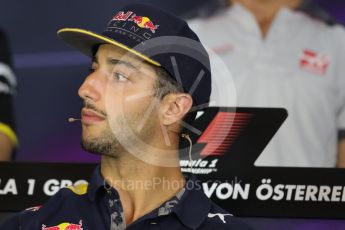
x=32, y=25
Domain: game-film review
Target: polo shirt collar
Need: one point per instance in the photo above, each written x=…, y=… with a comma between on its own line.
x=193, y=207
x=96, y=183
x=284, y=21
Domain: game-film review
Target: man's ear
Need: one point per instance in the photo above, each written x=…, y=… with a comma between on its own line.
x=174, y=107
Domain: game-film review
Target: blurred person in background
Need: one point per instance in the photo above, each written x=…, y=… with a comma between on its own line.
x=285, y=53
x=8, y=139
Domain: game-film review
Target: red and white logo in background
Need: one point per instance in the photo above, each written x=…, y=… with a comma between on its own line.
x=314, y=62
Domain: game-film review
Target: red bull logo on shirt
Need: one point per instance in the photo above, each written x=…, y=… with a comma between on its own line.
x=141, y=21
x=64, y=226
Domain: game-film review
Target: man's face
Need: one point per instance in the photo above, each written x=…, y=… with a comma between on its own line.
x=117, y=94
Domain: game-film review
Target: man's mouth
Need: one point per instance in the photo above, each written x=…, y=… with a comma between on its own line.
x=89, y=116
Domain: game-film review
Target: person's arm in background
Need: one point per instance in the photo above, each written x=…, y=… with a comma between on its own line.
x=8, y=139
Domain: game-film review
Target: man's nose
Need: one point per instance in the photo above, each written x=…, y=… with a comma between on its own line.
x=92, y=87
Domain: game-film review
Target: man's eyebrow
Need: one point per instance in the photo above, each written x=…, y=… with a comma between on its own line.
x=113, y=61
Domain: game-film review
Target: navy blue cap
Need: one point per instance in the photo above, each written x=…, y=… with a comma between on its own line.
x=159, y=38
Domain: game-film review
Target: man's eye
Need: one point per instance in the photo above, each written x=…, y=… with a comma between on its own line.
x=121, y=77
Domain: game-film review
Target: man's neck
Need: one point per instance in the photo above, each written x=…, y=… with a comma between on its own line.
x=142, y=187
x=265, y=10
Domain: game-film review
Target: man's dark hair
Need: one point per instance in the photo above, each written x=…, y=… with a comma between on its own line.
x=165, y=85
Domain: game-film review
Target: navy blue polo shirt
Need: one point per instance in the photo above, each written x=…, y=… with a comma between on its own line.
x=99, y=207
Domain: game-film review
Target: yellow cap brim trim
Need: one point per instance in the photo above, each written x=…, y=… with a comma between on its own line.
x=9, y=133
x=109, y=41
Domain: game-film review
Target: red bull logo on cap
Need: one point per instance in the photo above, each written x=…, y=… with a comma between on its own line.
x=64, y=226
x=144, y=22
x=141, y=21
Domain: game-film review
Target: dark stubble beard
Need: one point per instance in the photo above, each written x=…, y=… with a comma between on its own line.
x=105, y=144
x=115, y=141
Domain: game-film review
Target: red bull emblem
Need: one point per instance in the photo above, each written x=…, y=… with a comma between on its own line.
x=64, y=226
x=144, y=22
x=141, y=21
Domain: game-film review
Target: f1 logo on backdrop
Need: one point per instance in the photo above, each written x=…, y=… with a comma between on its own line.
x=222, y=131
x=217, y=139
